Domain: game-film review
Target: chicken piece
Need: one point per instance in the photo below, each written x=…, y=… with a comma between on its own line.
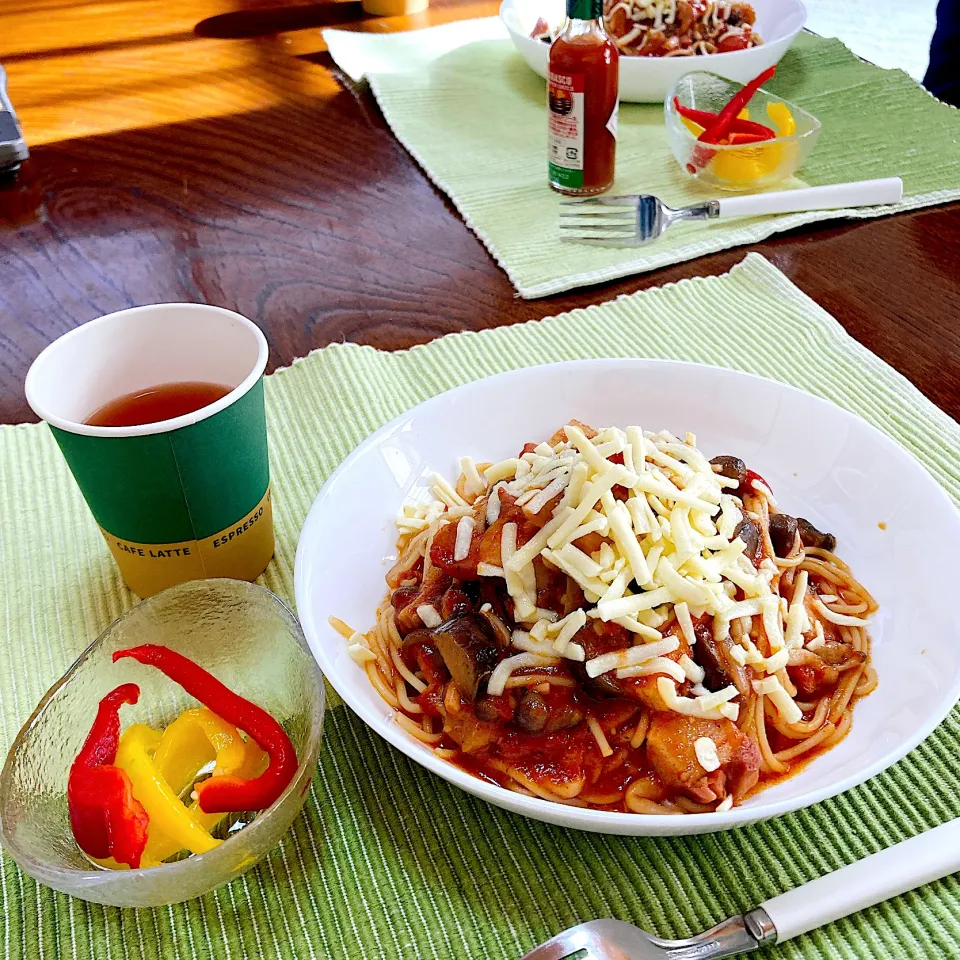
x=671, y=750
x=590, y=543
x=685, y=18
x=443, y=548
x=617, y=24
x=598, y=638
x=816, y=672
x=646, y=689
x=490, y=546
x=742, y=13
x=543, y=516
x=470, y=733
x=433, y=586
x=454, y=603
x=541, y=30
x=554, y=762
x=743, y=771
x=561, y=435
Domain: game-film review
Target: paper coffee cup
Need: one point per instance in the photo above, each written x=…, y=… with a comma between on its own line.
x=182, y=499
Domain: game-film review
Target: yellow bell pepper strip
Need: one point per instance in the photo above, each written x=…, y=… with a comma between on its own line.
x=194, y=739
x=756, y=162
x=189, y=744
x=782, y=119
x=223, y=794
x=168, y=815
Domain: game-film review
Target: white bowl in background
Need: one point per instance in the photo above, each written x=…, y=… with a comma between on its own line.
x=822, y=462
x=649, y=79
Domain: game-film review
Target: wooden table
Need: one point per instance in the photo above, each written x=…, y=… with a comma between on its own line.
x=202, y=150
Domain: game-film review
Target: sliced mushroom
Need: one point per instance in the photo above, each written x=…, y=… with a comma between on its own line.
x=416, y=636
x=604, y=684
x=564, y=717
x=720, y=669
x=487, y=709
x=501, y=631
x=733, y=468
x=468, y=653
x=840, y=654
x=532, y=713
x=783, y=534
x=810, y=536
x=749, y=532
x=454, y=603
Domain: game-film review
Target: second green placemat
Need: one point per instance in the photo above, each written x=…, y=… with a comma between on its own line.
x=473, y=115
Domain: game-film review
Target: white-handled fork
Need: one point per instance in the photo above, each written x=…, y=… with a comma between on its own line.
x=636, y=219
x=876, y=878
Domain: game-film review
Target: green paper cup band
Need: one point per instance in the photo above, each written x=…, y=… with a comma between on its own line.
x=181, y=499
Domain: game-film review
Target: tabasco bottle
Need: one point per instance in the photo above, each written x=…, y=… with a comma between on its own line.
x=582, y=100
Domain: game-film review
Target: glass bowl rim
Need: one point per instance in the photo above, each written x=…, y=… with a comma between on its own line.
x=218, y=859
x=673, y=119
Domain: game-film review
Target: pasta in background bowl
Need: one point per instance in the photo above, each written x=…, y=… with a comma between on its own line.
x=823, y=463
x=647, y=79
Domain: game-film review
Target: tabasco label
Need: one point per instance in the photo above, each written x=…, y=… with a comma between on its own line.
x=565, y=129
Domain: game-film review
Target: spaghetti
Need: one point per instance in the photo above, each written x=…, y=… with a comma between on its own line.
x=610, y=620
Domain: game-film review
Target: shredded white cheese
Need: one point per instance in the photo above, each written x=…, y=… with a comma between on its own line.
x=461, y=547
x=631, y=657
x=359, y=650
x=566, y=629
x=709, y=706
x=605, y=749
x=429, y=615
x=782, y=701
x=498, y=679
x=654, y=667
x=707, y=756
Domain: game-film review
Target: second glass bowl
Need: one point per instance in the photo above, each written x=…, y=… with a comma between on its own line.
x=738, y=167
x=241, y=633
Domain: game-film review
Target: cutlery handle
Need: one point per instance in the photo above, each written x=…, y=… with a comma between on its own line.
x=876, y=878
x=862, y=193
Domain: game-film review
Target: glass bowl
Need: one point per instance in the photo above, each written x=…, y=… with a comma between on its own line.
x=740, y=168
x=238, y=631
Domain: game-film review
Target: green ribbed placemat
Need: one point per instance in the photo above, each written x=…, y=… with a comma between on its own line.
x=388, y=860
x=473, y=115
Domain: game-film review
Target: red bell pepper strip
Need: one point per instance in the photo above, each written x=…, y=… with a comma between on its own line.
x=705, y=119
x=227, y=794
x=720, y=130
x=107, y=820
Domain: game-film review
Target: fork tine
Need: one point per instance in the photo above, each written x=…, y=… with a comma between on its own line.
x=578, y=219
x=627, y=216
x=597, y=242
x=625, y=199
x=556, y=948
x=625, y=228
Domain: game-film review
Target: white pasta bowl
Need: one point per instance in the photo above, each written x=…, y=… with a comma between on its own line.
x=894, y=525
x=649, y=79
